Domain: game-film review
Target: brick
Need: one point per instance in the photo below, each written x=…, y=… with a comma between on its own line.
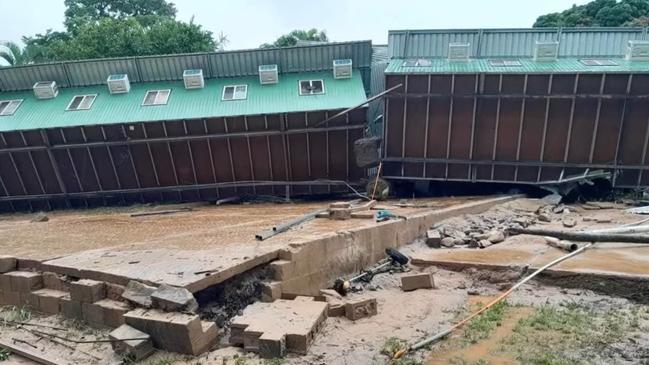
x=272, y=345
x=362, y=308
x=417, y=281
x=55, y=282
x=135, y=350
x=49, y=300
x=271, y=291
x=71, y=308
x=7, y=264
x=175, y=332
x=87, y=291
x=25, y=281
x=113, y=312
x=174, y=299
x=93, y=314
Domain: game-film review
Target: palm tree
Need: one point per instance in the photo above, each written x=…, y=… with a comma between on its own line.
x=12, y=53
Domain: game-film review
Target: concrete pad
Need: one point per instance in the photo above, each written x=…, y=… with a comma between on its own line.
x=25, y=281
x=135, y=350
x=417, y=281
x=175, y=332
x=298, y=320
x=87, y=291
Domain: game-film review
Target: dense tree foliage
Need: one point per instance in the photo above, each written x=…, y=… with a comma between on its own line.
x=602, y=13
x=119, y=28
x=292, y=38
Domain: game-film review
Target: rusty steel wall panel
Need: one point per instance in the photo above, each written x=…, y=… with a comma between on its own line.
x=179, y=160
x=517, y=128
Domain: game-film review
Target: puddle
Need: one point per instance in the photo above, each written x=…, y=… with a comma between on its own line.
x=487, y=350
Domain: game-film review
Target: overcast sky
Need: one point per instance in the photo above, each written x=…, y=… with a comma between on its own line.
x=249, y=23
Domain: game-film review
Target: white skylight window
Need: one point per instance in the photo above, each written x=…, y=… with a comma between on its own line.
x=9, y=107
x=235, y=92
x=156, y=97
x=417, y=63
x=598, y=62
x=82, y=102
x=311, y=87
x=505, y=63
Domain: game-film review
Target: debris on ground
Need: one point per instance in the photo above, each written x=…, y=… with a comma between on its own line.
x=40, y=217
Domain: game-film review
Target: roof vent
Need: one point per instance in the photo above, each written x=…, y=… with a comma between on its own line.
x=45, y=90
x=459, y=51
x=193, y=79
x=118, y=84
x=343, y=69
x=268, y=74
x=546, y=51
x=637, y=51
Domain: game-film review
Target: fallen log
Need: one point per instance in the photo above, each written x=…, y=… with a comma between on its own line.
x=582, y=236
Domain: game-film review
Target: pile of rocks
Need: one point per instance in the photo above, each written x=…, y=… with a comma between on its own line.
x=478, y=230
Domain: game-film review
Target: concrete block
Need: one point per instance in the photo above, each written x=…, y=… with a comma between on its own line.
x=55, y=282
x=138, y=293
x=417, y=281
x=173, y=299
x=29, y=265
x=87, y=291
x=175, y=332
x=93, y=314
x=49, y=300
x=114, y=291
x=272, y=345
x=7, y=264
x=336, y=310
x=71, y=309
x=9, y=298
x=135, y=350
x=271, y=291
x=282, y=269
x=357, y=309
x=113, y=312
x=340, y=205
x=28, y=300
x=25, y=281
x=5, y=282
x=433, y=238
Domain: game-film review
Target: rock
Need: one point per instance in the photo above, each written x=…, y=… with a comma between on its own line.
x=433, y=238
x=173, y=299
x=559, y=209
x=40, y=217
x=484, y=243
x=366, y=151
x=473, y=292
x=448, y=242
x=552, y=199
x=496, y=237
x=543, y=217
x=450, y=232
x=569, y=222
x=139, y=294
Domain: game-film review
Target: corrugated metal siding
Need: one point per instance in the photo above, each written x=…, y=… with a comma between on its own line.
x=170, y=67
x=575, y=42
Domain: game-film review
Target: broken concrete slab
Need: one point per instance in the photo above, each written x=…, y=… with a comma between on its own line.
x=297, y=319
x=123, y=343
x=173, y=299
x=139, y=294
x=417, y=281
x=360, y=308
x=87, y=291
x=175, y=332
x=7, y=264
x=24, y=281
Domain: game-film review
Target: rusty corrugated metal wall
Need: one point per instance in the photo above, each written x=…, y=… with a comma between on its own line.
x=518, y=128
x=182, y=160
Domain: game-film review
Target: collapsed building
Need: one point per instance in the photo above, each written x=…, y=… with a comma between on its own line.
x=528, y=106
x=181, y=127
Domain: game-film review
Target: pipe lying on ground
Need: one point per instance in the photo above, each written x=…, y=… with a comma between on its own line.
x=285, y=226
x=583, y=236
x=433, y=339
x=622, y=230
x=561, y=244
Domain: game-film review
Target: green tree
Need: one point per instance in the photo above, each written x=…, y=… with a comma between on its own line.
x=602, y=13
x=119, y=28
x=12, y=53
x=292, y=38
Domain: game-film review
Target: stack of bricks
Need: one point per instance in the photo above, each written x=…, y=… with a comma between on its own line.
x=50, y=294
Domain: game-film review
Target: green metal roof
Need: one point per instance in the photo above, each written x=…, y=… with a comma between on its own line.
x=482, y=65
x=183, y=104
